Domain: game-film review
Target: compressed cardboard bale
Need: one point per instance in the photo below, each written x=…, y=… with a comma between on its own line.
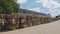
x=40, y=20
x=22, y=23
x=34, y=22
x=23, y=20
x=2, y=16
x=28, y=20
x=15, y=15
x=7, y=16
x=19, y=15
x=48, y=20
x=0, y=26
x=45, y=20
x=34, y=17
x=23, y=15
x=2, y=21
x=28, y=16
x=9, y=20
x=25, y=25
x=30, y=24
x=13, y=21
x=11, y=24
x=12, y=16
x=38, y=23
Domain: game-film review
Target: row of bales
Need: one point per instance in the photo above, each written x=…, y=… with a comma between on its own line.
x=19, y=21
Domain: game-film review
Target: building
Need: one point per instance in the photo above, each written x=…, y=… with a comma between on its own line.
x=33, y=13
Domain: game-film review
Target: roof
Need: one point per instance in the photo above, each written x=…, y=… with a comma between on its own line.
x=32, y=12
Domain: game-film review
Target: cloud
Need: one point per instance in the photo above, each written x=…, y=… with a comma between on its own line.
x=51, y=4
x=35, y=9
x=21, y=1
x=55, y=12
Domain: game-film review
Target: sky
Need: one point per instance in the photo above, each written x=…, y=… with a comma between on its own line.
x=45, y=6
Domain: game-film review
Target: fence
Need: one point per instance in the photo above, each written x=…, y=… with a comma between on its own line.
x=18, y=21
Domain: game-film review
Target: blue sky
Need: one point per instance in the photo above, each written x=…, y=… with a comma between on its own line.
x=45, y=6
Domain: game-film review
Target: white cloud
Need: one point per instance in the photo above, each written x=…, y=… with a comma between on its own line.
x=51, y=4
x=21, y=1
x=55, y=12
x=35, y=9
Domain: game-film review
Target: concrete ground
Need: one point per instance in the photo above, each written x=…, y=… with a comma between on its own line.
x=50, y=28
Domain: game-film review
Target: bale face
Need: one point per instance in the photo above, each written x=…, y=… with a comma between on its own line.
x=18, y=21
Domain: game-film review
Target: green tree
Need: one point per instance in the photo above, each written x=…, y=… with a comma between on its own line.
x=8, y=6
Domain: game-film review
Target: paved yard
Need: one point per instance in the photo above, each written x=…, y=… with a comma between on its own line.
x=50, y=28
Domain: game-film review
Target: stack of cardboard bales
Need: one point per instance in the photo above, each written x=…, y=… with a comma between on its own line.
x=20, y=20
